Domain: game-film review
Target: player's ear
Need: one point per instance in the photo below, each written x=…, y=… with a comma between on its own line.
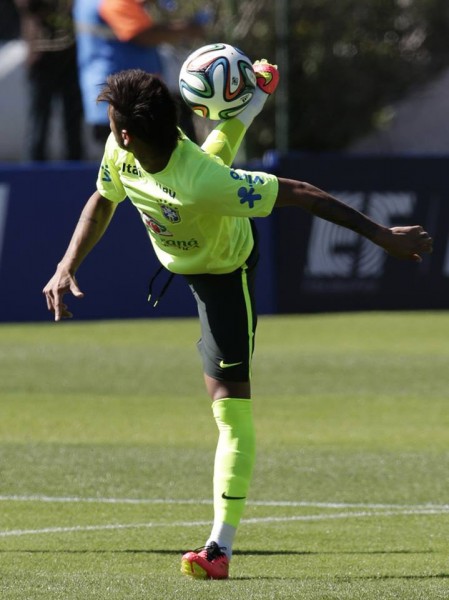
x=126, y=138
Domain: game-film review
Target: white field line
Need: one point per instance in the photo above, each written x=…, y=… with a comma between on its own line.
x=374, y=510
x=112, y=526
x=118, y=526
x=273, y=503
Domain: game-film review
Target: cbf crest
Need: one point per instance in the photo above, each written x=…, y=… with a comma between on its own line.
x=171, y=213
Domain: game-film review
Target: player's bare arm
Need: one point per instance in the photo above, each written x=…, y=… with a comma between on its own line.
x=93, y=222
x=406, y=243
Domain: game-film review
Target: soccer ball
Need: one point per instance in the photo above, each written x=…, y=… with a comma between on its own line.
x=217, y=81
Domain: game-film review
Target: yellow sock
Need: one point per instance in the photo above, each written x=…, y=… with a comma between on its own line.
x=224, y=141
x=234, y=458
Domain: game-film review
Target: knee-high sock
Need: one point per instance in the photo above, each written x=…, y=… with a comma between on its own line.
x=234, y=458
x=225, y=139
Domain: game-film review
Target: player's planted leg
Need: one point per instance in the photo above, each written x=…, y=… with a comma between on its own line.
x=234, y=462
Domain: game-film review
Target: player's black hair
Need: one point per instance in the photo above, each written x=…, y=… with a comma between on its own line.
x=143, y=106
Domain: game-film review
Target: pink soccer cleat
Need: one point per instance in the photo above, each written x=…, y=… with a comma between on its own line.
x=267, y=76
x=208, y=562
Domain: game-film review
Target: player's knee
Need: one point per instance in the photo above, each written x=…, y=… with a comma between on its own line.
x=227, y=389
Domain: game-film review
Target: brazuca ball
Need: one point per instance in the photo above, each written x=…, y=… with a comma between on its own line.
x=217, y=81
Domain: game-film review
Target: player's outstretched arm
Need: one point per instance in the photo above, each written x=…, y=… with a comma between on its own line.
x=224, y=141
x=93, y=222
x=406, y=243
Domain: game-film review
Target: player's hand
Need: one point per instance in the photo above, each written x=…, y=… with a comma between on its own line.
x=406, y=243
x=60, y=284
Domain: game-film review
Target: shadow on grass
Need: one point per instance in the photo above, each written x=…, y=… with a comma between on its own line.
x=235, y=553
x=335, y=578
x=338, y=579
x=391, y=577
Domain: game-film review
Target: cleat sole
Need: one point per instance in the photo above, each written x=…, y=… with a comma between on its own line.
x=191, y=569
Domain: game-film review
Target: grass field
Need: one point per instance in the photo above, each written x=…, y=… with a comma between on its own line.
x=107, y=442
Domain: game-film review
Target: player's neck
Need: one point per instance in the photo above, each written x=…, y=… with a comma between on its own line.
x=151, y=159
x=152, y=163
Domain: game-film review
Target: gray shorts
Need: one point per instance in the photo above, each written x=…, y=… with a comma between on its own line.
x=227, y=312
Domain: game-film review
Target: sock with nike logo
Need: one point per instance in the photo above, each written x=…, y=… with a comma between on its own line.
x=234, y=462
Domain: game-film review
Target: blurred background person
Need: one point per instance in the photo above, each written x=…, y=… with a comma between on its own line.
x=47, y=27
x=9, y=22
x=113, y=35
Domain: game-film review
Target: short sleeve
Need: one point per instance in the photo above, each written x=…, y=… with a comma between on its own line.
x=226, y=191
x=109, y=184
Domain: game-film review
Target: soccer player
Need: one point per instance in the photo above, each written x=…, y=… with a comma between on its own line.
x=198, y=212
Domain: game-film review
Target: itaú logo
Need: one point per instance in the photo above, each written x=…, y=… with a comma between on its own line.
x=337, y=252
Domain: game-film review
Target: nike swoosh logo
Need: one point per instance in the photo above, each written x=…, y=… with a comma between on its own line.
x=226, y=497
x=224, y=365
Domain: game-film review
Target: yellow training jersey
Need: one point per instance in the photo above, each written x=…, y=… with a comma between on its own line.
x=196, y=210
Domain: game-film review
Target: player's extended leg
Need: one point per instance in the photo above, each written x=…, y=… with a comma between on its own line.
x=225, y=139
x=228, y=322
